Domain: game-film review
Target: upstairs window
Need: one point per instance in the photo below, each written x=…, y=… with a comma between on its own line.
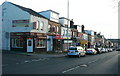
x=35, y=25
x=57, y=29
x=42, y=26
x=49, y=28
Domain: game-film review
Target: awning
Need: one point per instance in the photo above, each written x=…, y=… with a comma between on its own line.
x=83, y=41
x=57, y=36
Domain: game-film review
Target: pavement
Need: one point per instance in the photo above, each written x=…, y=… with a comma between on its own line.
x=40, y=55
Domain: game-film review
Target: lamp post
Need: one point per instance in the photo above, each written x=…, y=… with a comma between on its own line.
x=68, y=24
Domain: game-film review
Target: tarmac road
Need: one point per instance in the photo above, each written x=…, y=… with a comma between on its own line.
x=105, y=63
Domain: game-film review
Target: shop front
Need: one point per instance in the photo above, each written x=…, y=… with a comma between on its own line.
x=28, y=41
x=57, y=42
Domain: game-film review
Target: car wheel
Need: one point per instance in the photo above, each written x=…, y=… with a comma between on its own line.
x=79, y=55
x=69, y=56
x=84, y=55
x=94, y=53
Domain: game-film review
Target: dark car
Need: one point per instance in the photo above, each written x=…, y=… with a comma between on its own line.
x=118, y=49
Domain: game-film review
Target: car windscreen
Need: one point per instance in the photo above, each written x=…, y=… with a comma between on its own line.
x=72, y=48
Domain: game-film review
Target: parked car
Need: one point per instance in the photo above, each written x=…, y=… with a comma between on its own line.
x=118, y=49
x=99, y=51
x=104, y=50
x=91, y=51
x=76, y=51
x=110, y=50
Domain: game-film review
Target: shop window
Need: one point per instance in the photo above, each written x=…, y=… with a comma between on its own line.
x=41, y=43
x=17, y=43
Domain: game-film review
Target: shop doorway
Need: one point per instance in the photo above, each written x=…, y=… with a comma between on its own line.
x=29, y=45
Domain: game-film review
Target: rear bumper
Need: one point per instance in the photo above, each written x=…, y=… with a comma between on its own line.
x=89, y=52
x=76, y=54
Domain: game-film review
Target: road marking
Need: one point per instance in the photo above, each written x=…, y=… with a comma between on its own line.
x=17, y=63
x=27, y=61
x=92, y=61
x=70, y=69
x=83, y=65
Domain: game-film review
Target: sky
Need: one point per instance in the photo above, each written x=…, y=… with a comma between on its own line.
x=97, y=15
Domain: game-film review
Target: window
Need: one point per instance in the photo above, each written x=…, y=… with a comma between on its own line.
x=4, y=12
x=17, y=43
x=29, y=43
x=40, y=43
x=54, y=15
x=57, y=29
x=35, y=25
x=41, y=25
x=72, y=48
x=49, y=28
x=64, y=32
x=54, y=29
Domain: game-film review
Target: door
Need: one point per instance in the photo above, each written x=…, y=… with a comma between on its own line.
x=29, y=45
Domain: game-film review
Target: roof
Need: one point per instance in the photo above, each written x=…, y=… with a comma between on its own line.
x=49, y=10
x=64, y=18
x=30, y=11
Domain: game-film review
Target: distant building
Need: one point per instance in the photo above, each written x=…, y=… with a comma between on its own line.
x=91, y=38
x=116, y=42
x=66, y=35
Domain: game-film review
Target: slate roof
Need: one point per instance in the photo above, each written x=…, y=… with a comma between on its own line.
x=30, y=11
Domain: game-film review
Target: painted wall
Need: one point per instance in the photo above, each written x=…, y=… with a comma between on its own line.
x=0, y=27
x=63, y=21
x=50, y=15
x=54, y=16
x=79, y=28
x=11, y=12
x=64, y=32
x=39, y=20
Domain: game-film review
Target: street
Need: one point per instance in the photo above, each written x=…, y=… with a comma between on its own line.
x=105, y=63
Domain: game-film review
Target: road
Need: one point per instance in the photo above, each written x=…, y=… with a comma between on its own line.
x=105, y=63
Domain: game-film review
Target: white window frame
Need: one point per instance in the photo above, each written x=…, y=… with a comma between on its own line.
x=41, y=27
x=44, y=42
x=14, y=45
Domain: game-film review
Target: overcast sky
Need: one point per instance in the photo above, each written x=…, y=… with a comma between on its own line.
x=97, y=15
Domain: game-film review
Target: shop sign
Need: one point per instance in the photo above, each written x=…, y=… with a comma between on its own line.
x=83, y=42
x=66, y=37
x=57, y=37
x=20, y=23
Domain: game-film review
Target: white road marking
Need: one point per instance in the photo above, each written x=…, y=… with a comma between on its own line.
x=27, y=61
x=70, y=69
x=92, y=61
x=17, y=63
x=83, y=65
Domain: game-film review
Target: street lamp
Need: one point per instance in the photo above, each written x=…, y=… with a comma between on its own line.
x=68, y=24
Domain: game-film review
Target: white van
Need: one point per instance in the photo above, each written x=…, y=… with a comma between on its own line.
x=76, y=51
